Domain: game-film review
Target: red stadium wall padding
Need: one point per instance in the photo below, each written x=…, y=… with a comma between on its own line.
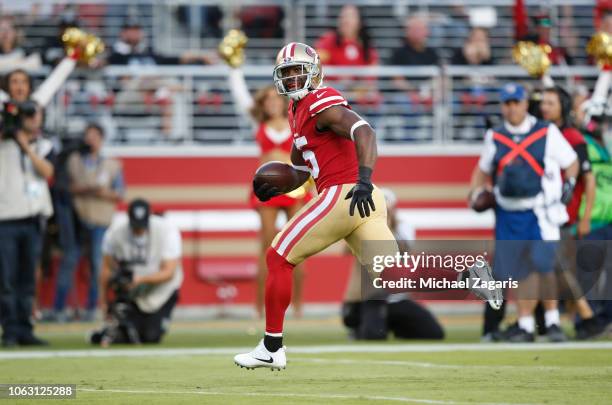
x=188, y=170
x=325, y=280
x=232, y=170
x=209, y=183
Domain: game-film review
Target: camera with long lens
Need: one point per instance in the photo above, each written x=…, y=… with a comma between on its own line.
x=120, y=306
x=70, y=146
x=13, y=114
x=119, y=284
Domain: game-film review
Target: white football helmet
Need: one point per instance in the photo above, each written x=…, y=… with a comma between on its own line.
x=309, y=77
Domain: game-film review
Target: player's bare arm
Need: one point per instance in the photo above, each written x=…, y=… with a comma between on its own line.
x=301, y=168
x=296, y=157
x=266, y=191
x=347, y=123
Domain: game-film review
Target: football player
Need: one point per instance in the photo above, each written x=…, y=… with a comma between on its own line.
x=337, y=148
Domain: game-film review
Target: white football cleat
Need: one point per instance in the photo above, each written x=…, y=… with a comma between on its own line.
x=495, y=296
x=261, y=357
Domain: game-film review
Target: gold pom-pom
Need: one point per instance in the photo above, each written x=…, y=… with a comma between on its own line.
x=82, y=46
x=600, y=48
x=532, y=57
x=231, y=48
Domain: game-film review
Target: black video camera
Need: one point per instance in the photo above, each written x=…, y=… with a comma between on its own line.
x=119, y=310
x=12, y=116
x=120, y=281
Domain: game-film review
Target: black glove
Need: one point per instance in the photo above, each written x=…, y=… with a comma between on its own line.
x=265, y=191
x=361, y=194
x=568, y=190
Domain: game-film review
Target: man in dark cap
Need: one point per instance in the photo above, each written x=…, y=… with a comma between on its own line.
x=145, y=250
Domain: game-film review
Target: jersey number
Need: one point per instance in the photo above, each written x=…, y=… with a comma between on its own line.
x=309, y=156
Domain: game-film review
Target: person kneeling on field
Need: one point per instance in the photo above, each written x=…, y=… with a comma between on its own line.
x=373, y=319
x=142, y=269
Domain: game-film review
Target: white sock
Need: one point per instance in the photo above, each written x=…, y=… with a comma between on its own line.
x=551, y=317
x=527, y=323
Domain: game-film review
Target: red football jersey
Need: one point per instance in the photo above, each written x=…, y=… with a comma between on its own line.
x=331, y=158
x=574, y=138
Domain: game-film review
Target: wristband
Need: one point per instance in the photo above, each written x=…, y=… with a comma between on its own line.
x=301, y=168
x=365, y=174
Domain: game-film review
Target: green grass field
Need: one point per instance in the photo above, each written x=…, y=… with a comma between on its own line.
x=194, y=365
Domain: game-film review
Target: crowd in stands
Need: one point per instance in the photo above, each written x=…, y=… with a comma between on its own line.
x=349, y=42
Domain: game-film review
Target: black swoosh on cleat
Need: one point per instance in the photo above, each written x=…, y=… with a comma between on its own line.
x=269, y=361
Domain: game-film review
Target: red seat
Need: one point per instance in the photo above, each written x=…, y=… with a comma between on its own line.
x=223, y=274
x=215, y=271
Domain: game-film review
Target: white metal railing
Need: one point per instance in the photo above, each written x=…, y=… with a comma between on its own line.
x=471, y=94
x=193, y=105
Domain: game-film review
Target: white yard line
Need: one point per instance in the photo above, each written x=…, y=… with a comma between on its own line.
x=366, y=362
x=293, y=395
x=446, y=347
x=320, y=349
x=434, y=365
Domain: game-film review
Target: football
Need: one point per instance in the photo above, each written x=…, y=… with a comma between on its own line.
x=278, y=174
x=482, y=199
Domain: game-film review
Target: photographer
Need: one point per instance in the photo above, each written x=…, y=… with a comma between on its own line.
x=25, y=204
x=142, y=266
x=397, y=313
x=96, y=184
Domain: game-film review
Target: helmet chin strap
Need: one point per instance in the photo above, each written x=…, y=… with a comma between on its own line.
x=298, y=95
